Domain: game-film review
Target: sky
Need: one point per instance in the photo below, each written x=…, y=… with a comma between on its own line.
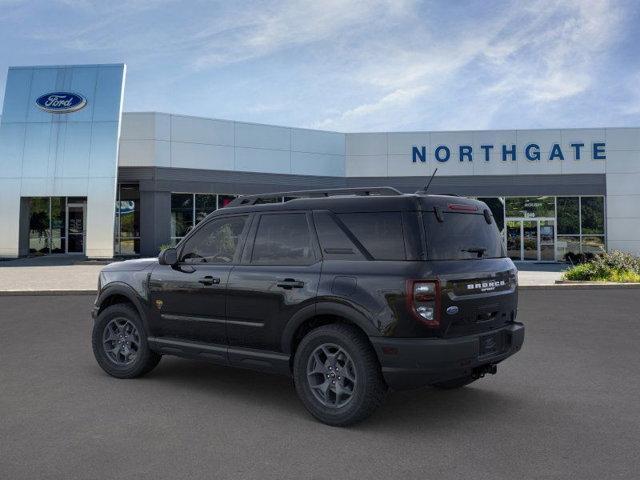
x=350, y=65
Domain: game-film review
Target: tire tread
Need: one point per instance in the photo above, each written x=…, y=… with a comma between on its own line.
x=143, y=365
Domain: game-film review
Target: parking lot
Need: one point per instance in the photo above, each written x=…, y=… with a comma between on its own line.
x=567, y=406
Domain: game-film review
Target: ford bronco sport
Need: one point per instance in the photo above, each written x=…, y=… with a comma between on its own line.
x=350, y=291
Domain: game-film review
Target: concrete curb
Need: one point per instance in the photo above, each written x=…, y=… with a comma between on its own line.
x=22, y=293
x=579, y=286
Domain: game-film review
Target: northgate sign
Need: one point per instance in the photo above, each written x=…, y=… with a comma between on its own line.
x=531, y=152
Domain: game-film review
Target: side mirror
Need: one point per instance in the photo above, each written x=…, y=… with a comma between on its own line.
x=168, y=256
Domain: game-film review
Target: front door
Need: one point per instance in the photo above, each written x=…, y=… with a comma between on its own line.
x=75, y=227
x=189, y=299
x=278, y=276
x=531, y=239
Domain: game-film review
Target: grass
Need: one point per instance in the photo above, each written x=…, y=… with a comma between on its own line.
x=587, y=271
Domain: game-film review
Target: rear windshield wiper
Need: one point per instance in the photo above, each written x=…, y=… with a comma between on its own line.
x=479, y=250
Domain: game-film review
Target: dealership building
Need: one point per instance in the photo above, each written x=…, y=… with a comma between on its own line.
x=80, y=176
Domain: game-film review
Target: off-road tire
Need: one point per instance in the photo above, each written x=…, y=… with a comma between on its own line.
x=369, y=389
x=145, y=359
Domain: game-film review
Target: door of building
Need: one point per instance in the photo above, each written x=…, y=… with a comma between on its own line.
x=76, y=230
x=531, y=239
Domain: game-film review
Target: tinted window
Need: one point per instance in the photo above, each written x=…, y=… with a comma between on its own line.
x=568, y=216
x=334, y=242
x=380, y=233
x=592, y=215
x=215, y=242
x=461, y=236
x=283, y=240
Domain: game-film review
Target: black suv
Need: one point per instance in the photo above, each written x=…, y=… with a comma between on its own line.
x=349, y=291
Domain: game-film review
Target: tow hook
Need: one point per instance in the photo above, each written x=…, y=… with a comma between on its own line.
x=480, y=372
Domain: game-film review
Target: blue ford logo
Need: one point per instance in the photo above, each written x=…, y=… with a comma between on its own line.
x=61, y=102
x=452, y=310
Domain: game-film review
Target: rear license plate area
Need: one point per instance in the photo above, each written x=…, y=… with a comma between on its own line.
x=492, y=344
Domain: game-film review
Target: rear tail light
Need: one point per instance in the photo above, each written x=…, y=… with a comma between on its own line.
x=423, y=297
x=513, y=278
x=461, y=207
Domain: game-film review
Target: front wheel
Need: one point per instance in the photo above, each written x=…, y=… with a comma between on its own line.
x=120, y=343
x=337, y=375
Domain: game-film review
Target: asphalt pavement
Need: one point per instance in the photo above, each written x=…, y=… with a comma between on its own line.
x=567, y=406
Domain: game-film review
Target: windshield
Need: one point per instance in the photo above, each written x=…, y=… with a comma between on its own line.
x=461, y=236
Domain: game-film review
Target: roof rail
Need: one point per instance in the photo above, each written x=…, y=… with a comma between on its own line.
x=243, y=200
x=421, y=192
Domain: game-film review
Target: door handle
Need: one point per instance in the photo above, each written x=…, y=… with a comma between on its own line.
x=209, y=280
x=289, y=283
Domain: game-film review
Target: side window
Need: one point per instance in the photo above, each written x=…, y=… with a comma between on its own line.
x=283, y=239
x=379, y=232
x=334, y=242
x=215, y=242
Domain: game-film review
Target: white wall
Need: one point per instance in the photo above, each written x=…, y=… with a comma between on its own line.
x=390, y=154
x=163, y=140
x=623, y=189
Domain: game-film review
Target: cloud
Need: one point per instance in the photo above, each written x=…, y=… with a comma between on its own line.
x=285, y=25
x=348, y=65
x=540, y=54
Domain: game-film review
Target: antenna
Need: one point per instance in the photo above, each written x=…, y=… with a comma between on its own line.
x=429, y=182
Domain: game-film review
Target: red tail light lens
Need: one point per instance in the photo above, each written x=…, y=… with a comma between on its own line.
x=423, y=297
x=460, y=207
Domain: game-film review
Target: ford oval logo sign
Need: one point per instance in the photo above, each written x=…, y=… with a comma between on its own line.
x=61, y=102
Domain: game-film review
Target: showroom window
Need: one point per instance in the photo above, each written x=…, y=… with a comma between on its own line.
x=580, y=225
x=530, y=207
x=45, y=221
x=56, y=225
x=579, y=221
x=189, y=209
x=127, y=227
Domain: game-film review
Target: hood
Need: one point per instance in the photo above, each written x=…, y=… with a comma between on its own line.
x=135, y=265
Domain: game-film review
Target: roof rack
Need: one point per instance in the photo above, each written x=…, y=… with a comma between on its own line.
x=243, y=200
x=422, y=192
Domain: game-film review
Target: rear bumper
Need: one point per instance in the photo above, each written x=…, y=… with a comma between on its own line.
x=415, y=362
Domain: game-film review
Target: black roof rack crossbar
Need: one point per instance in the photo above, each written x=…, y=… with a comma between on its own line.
x=243, y=200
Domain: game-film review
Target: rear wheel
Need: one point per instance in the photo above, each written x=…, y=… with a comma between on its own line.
x=455, y=383
x=120, y=343
x=337, y=375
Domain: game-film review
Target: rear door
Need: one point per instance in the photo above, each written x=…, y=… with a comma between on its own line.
x=277, y=277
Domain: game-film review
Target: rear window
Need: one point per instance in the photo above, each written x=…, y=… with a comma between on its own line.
x=283, y=239
x=379, y=232
x=461, y=236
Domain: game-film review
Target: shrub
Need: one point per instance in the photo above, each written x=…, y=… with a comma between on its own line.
x=615, y=266
x=164, y=246
x=578, y=258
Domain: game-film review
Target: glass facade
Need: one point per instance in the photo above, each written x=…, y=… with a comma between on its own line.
x=56, y=225
x=127, y=226
x=530, y=207
x=546, y=228
x=188, y=209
